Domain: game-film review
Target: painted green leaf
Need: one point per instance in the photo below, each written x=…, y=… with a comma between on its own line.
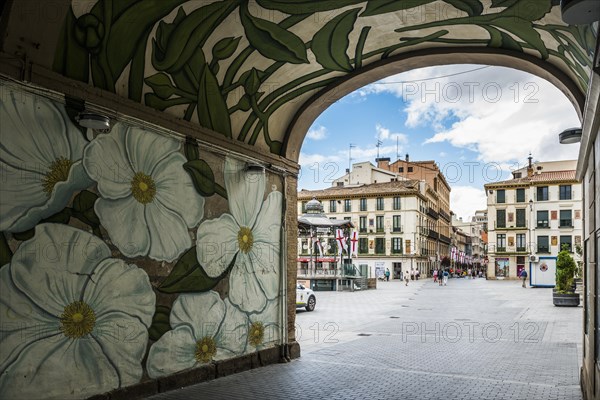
x=202, y=176
x=160, y=323
x=330, y=44
x=523, y=29
x=161, y=85
x=295, y=7
x=5, y=252
x=83, y=205
x=190, y=34
x=528, y=10
x=130, y=28
x=471, y=7
x=252, y=82
x=275, y=147
x=225, y=48
x=159, y=104
x=190, y=149
x=502, y=40
x=136, y=70
x=272, y=41
x=377, y=7
x=189, y=276
x=503, y=3
x=71, y=59
x=212, y=108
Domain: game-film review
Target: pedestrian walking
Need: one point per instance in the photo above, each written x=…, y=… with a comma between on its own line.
x=406, y=278
x=387, y=274
x=441, y=276
x=446, y=277
x=435, y=276
x=523, y=275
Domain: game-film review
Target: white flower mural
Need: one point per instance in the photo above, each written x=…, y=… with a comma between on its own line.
x=250, y=235
x=41, y=163
x=148, y=201
x=73, y=320
x=264, y=329
x=205, y=329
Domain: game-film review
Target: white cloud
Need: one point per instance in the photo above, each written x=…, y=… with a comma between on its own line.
x=443, y=154
x=465, y=200
x=318, y=132
x=384, y=133
x=500, y=113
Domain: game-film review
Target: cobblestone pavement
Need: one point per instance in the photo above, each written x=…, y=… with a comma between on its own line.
x=472, y=339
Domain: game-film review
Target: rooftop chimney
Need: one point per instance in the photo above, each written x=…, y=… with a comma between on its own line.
x=407, y=158
x=383, y=163
x=530, y=166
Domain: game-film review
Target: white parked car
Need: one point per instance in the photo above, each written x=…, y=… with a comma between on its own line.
x=305, y=298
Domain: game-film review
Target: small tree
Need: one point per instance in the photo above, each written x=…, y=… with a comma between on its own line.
x=579, y=270
x=565, y=271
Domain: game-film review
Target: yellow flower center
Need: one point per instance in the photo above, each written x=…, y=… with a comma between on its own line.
x=256, y=334
x=77, y=320
x=245, y=239
x=58, y=172
x=206, y=349
x=143, y=188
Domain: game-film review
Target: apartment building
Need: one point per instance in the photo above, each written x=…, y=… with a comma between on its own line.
x=530, y=218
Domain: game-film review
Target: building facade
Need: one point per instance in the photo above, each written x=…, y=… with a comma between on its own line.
x=530, y=218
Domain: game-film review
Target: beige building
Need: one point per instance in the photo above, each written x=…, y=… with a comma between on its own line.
x=530, y=217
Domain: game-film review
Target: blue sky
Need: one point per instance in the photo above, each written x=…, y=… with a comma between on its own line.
x=478, y=123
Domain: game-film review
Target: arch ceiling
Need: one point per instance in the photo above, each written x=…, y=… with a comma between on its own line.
x=244, y=69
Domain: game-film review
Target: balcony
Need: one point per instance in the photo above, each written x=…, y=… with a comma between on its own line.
x=511, y=226
x=379, y=230
x=566, y=223
x=433, y=234
x=397, y=229
x=445, y=215
x=432, y=213
x=362, y=230
x=445, y=239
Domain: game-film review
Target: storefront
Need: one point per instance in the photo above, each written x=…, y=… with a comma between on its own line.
x=502, y=267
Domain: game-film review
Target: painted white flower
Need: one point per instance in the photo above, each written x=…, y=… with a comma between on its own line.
x=147, y=201
x=264, y=329
x=40, y=159
x=74, y=322
x=205, y=329
x=250, y=235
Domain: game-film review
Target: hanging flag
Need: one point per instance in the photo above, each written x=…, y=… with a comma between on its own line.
x=354, y=243
x=341, y=240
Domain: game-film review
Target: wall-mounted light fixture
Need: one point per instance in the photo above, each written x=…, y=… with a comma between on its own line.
x=569, y=136
x=579, y=12
x=94, y=121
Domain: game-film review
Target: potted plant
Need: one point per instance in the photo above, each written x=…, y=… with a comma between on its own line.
x=564, y=293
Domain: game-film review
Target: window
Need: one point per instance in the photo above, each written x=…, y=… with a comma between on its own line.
x=521, y=245
x=410, y=169
x=501, y=242
x=304, y=207
x=379, y=246
x=397, y=245
x=542, y=219
x=396, y=203
x=347, y=205
x=564, y=192
x=542, y=193
x=501, y=196
x=363, y=204
x=517, y=175
x=520, y=217
x=363, y=245
x=332, y=206
x=396, y=225
x=332, y=246
x=566, y=240
x=379, y=203
x=520, y=195
x=362, y=224
x=565, y=219
x=501, y=218
x=401, y=169
x=542, y=244
x=379, y=223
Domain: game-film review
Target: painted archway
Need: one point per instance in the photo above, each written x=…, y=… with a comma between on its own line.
x=209, y=103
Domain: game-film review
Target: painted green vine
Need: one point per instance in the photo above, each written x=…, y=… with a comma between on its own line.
x=189, y=77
